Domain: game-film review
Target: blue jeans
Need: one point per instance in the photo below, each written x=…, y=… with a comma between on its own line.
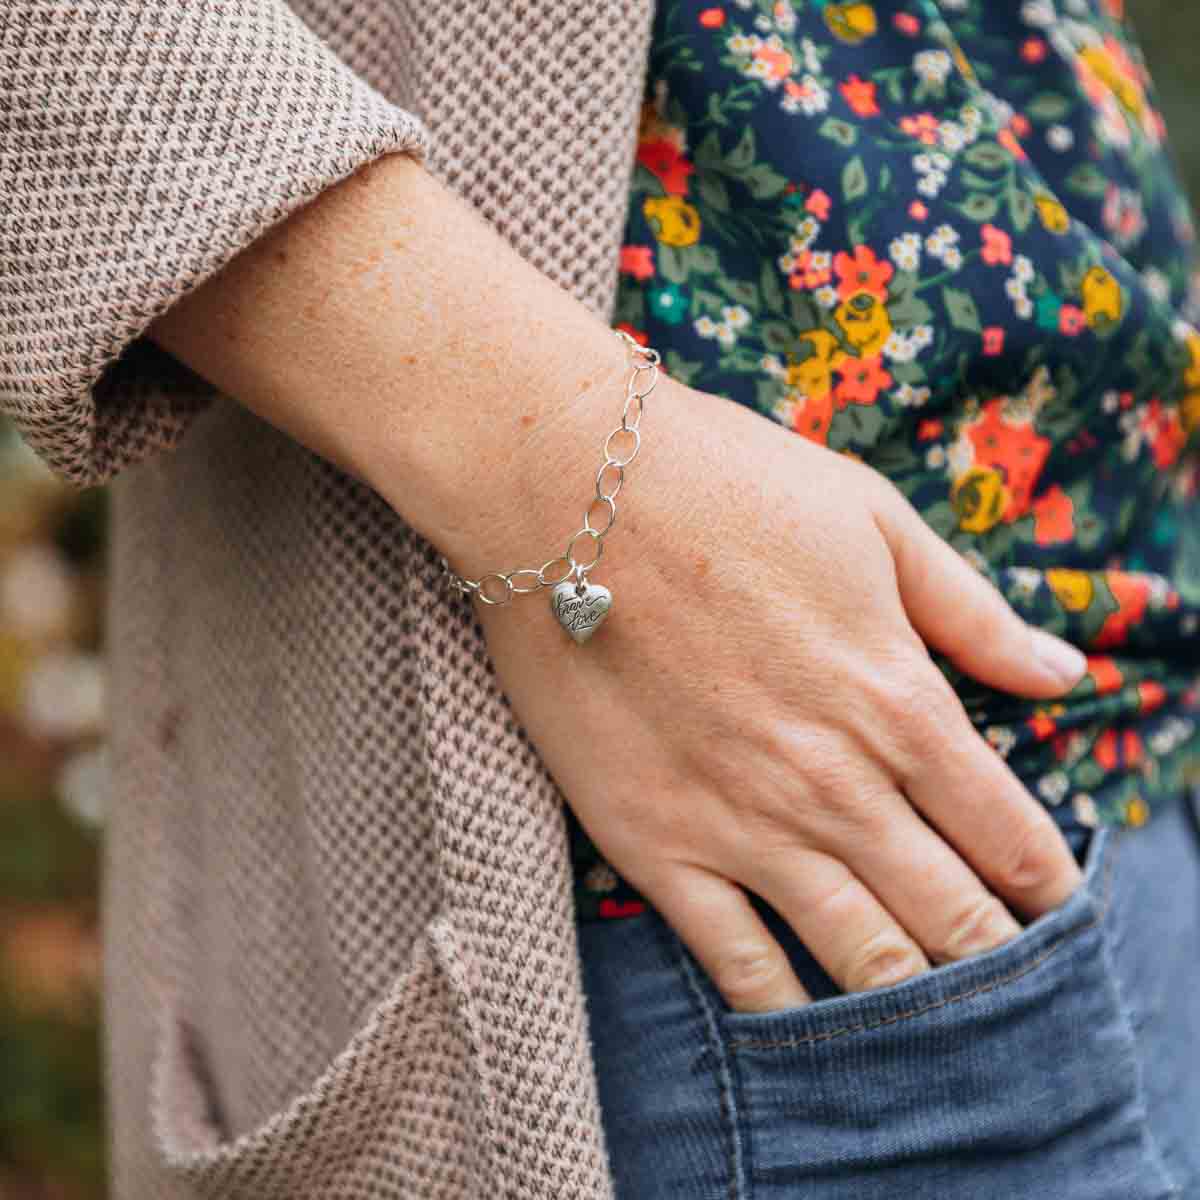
x=1063, y=1065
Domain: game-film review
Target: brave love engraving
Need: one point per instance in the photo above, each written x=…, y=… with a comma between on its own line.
x=580, y=614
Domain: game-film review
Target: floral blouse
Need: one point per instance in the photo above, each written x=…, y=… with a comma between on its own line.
x=946, y=237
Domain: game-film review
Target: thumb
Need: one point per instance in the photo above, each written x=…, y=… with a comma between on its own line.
x=963, y=614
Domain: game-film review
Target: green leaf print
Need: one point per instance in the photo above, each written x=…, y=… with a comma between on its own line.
x=858, y=425
x=941, y=517
x=672, y=264
x=740, y=291
x=988, y=156
x=854, y=180
x=1088, y=180
x=763, y=181
x=1020, y=209
x=767, y=393
x=905, y=309
x=979, y=208
x=772, y=293
x=839, y=131
x=703, y=259
x=960, y=308
x=681, y=368
x=777, y=336
x=1048, y=107
x=712, y=192
x=742, y=155
x=708, y=152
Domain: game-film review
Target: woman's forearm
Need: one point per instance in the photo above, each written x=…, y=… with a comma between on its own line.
x=391, y=329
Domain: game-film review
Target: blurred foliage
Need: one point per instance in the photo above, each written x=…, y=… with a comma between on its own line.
x=51, y=1117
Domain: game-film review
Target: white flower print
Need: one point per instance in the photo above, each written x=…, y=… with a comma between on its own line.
x=1039, y=13
x=736, y=316
x=906, y=251
x=932, y=66
x=910, y=397
x=1053, y=787
x=1085, y=809
x=931, y=185
x=1001, y=738
x=1060, y=138
x=827, y=296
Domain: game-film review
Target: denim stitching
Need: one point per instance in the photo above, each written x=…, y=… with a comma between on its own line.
x=723, y=1072
x=764, y=1044
x=1153, y=1150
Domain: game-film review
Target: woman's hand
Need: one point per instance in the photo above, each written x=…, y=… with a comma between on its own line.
x=760, y=711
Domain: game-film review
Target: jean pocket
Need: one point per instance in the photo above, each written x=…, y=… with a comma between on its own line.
x=1013, y=1073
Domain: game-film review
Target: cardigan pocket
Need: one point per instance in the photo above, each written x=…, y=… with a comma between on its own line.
x=1000, y=1075
x=376, y=1112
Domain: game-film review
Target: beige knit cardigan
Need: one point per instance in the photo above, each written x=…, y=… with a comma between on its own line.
x=341, y=959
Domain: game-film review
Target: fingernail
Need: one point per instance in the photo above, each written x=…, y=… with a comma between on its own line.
x=1067, y=663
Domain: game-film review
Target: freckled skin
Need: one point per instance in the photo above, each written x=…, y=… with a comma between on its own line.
x=741, y=697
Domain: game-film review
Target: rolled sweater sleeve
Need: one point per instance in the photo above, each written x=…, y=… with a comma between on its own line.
x=143, y=143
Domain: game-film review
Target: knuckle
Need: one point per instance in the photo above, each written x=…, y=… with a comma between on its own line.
x=983, y=924
x=987, y=623
x=747, y=971
x=882, y=961
x=1034, y=857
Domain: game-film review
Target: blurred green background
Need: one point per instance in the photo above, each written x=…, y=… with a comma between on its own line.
x=53, y=771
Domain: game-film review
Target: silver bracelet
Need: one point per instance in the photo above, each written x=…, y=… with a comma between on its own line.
x=580, y=606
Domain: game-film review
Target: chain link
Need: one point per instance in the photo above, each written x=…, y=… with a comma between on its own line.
x=646, y=361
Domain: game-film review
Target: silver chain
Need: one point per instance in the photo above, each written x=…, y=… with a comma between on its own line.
x=645, y=360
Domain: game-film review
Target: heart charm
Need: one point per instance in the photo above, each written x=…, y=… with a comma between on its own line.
x=580, y=610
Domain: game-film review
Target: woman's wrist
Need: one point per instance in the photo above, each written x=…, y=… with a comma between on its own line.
x=391, y=329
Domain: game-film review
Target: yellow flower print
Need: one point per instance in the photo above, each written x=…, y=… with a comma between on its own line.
x=865, y=322
x=1101, y=297
x=814, y=376
x=980, y=498
x=1189, y=408
x=1073, y=589
x=960, y=60
x=1053, y=216
x=851, y=22
x=674, y=221
x=1137, y=812
x=1101, y=64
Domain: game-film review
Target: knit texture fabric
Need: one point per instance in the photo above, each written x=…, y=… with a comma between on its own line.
x=340, y=949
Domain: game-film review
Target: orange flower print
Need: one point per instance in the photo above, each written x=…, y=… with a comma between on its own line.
x=1008, y=140
x=1105, y=673
x=774, y=62
x=811, y=270
x=1012, y=446
x=997, y=246
x=1115, y=748
x=993, y=340
x=818, y=204
x=812, y=417
x=1151, y=695
x=859, y=95
x=637, y=261
x=1053, y=517
x=712, y=18
x=1132, y=594
x=923, y=127
x=862, y=381
x=862, y=273
x=1163, y=431
x=663, y=158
